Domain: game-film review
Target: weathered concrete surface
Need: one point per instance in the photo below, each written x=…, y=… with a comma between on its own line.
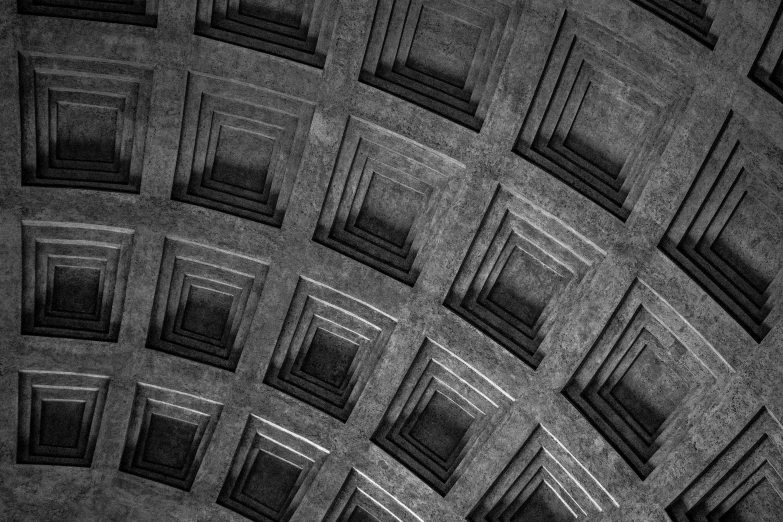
x=409, y=255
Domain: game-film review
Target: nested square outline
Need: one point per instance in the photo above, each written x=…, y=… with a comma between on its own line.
x=57, y=96
x=210, y=100
x=641, y=308
x=136, y=12
x=459, y=376
x=361, y=492
x=542, y=451
x=753, y=455
x=231, y=273
x=36, y=385
x=767, y=69
x=45, y=242
x=390, y=40
x=432, y=174
x=456, y=391
x=740, y=157
x=259, y=435
x=149, y=399
x=42, y=76
x=308, y=43
x=581, y=41
x=313, y=302
x=695, y=21
x=509, y=216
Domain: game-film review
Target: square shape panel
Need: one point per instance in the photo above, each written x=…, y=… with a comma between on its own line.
x=440, y=415
x=329, y=358
x=328, y=348
x=168, y=441
x=240, y=148
x=74, y=278
x=86, y=132
x=61, y=422
x=168, y=434
x=520, y=269
x=363, y=500
x=767, y=69
x=204, y=303
x=544, y=482
x=693, y=17
x=76, y=289
x=299, y=30
x=642, y=377
x=443, y=55
x=384, y=200
x=600, y=118
x=59, y=417
x=271, y=472
x=136, y=12
x=742, y=483
x=441, y=425
x=84, y=122
x=728, y=233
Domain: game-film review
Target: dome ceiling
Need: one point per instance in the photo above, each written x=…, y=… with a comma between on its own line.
x=391, y=260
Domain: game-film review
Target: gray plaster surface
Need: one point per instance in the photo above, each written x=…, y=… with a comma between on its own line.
x=555, y=242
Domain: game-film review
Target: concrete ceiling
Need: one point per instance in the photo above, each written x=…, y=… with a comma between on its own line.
x=391, y=260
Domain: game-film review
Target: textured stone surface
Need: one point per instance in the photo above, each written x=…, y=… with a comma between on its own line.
x=391, y=260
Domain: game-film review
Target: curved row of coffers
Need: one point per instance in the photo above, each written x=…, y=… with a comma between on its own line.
x=84, y=125
x=74, y=281
x=169, y=431
x=510, y=284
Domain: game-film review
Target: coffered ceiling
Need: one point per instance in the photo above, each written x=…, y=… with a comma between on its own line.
x=391, y=260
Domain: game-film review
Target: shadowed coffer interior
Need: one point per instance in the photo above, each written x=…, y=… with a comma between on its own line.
x=391, y=260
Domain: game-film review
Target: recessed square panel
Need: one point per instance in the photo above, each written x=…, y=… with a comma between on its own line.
x=240, y=148
x=328, y=348
x=205, y=301
x=384, y=200
x=299, y=30
x=742, y=483
x=767, y=70
x=270, y=480
x=76, y=289
x=74, y=279
x=168, y=441
x=389, y=209
x=84, y=122
x=544, y=482
x=649, y=389
x=59, y=417
x=606, y=128
x=61, y=422
x=693, y=17
x=643, y=375
x=329, y=358
x=168, y=434
x=206, y=312
x=271, y=472
x=444, y=55
x=544, y=504
x=242, y=158
x=363, y=500
x=728, y=233
x=441, y=425
x=520, y=269
x=137, y=12
x=86, y=132
x=524, y=286
x=599, y=119
x=441, y=413
x=443, y=46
